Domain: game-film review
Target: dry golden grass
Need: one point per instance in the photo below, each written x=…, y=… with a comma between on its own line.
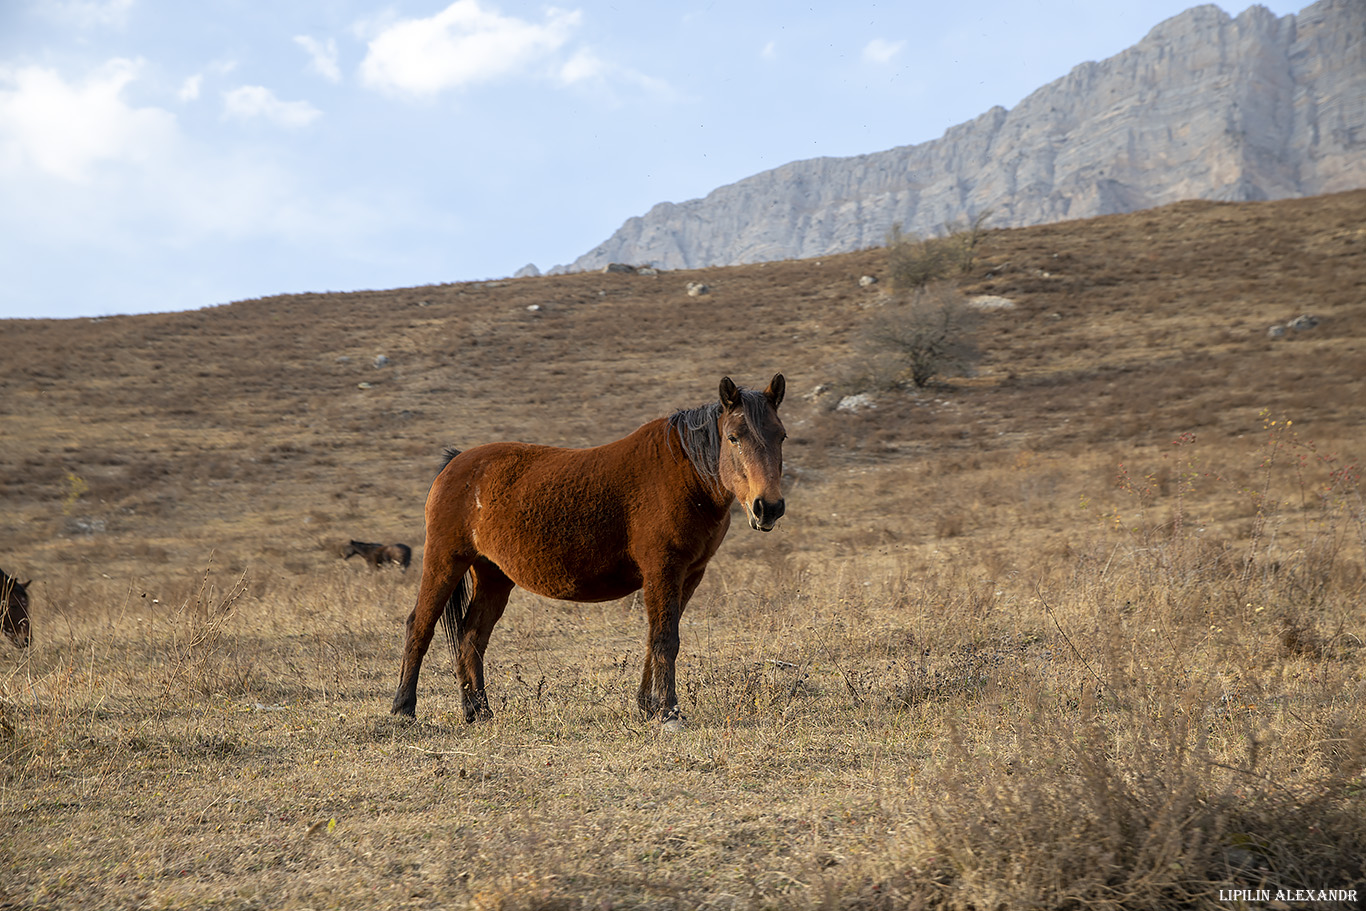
x=1082, y=631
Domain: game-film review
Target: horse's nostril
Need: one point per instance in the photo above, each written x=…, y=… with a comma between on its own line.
x=767, y=512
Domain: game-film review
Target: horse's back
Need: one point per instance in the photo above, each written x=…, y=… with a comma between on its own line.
x=497, y=477
x=558, y=522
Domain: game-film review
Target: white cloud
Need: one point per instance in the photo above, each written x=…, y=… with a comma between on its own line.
x=251, y=101
x=585, y=68
x=322, y=56
x=581, y=67
x=189, y=89
x=770, y=51
x=880, y=50
x=65, y=129
x=463, y=45
x=161, y=209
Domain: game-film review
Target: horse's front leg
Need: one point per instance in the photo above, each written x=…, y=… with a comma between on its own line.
x=664, y=604
x=657, y=697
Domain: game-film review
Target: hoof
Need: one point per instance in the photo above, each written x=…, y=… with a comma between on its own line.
x=673, y=720
x=477, y=709
x=405, y=702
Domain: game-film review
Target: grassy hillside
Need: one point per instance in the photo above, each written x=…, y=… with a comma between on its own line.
x=1083, y=629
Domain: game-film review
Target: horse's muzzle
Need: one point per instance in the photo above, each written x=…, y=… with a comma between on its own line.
x=20, y=636
x=763, y=516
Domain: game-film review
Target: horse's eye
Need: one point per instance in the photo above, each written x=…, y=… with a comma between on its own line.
x=734, y=439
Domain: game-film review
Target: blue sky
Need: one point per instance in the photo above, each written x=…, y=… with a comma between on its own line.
x=162, y=155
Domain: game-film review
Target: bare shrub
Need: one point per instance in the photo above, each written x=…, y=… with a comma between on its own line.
x=914, y=262
x=932, y=334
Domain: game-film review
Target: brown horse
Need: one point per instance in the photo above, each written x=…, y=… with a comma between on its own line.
x=377, y=554
x=646, y=512
x=14, y=609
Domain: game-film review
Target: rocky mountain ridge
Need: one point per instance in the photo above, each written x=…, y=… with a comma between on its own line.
x=1206, y=106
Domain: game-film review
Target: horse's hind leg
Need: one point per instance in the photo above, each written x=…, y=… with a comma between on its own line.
x=440, y=576
x=487, y=601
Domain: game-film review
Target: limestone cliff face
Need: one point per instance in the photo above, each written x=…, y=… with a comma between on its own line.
x=1206, y=106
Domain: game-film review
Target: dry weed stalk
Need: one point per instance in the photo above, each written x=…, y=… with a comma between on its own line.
x=196, y=652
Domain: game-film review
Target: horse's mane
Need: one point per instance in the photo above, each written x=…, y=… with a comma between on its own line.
x=697, y=431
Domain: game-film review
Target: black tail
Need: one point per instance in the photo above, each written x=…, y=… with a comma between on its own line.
x=453, y=617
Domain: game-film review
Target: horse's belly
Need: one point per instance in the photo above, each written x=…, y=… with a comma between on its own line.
x=609, y=589
x=566, y=582
x=579, y=568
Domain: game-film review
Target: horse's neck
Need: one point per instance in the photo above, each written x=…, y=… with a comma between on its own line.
x=695, y=487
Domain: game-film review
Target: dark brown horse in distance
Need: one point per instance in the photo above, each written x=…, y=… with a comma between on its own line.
x=14, y=610
x=377, y=554
x=643, y=513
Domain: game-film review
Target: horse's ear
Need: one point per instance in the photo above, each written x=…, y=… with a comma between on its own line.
x=730, y=393
x=774, y=393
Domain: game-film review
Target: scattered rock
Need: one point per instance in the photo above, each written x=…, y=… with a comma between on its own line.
x=382, y=360
x=867, y=281
x=697, y=289
x=853, y=404
x=85, y=525
x=1302, y=323
x=533, y=307
x=620, y=268
x=822, y=389
x=991, y=302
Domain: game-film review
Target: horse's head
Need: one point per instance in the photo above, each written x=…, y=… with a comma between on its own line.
x=14, y=610
x=751, y=458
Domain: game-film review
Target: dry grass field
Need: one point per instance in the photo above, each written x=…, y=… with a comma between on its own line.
x=1083, y=630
